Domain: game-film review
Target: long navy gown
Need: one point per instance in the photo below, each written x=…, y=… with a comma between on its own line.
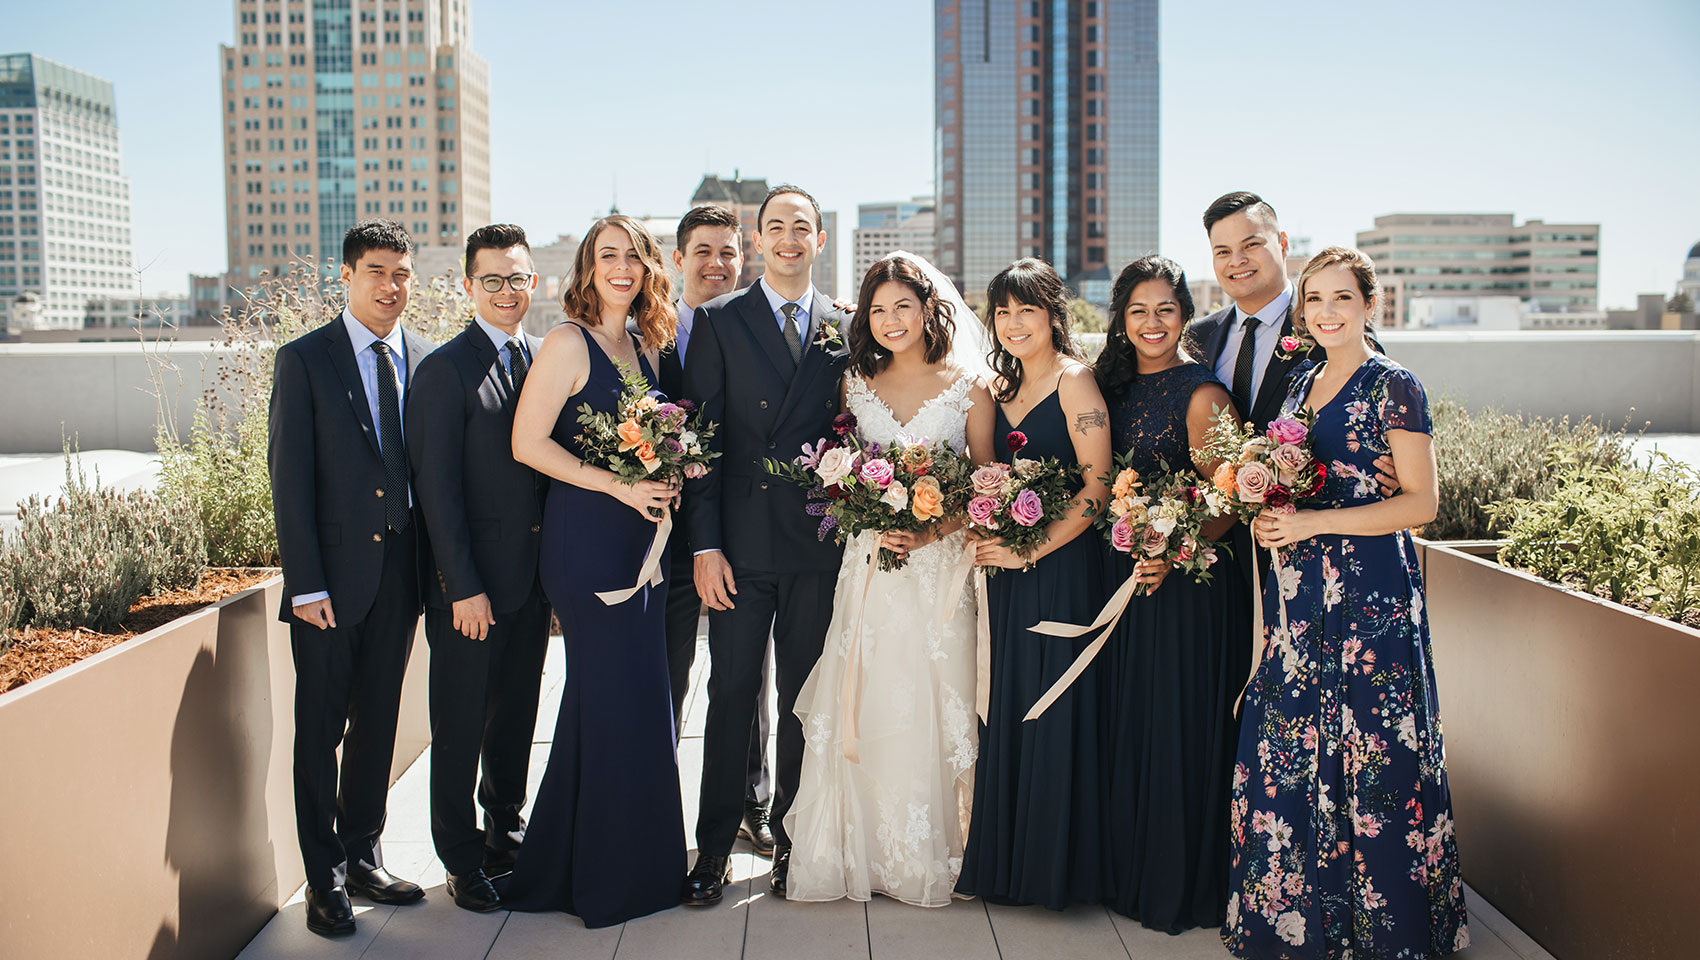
x=1170, y=673
x=1037, y=829
x=606, y=840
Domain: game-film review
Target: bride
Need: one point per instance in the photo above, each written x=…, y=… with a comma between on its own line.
x=894, y=821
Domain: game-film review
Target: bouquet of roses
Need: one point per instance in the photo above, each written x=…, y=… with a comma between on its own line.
x=1161, y=519
x=855, y=485
x=1263, y=471
x=649, y=439
x=1016, y=501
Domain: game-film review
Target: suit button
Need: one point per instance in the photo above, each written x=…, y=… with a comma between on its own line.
x=764, y=404
x=535, y=528
x=829, y=404
x=378, y=492
x=377, y=538
x=771, y=444
x=764, y=484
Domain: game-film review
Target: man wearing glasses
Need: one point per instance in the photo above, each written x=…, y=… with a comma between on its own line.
x=485, y=614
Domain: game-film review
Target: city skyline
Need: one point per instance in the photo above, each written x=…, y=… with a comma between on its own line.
x=1602, y=140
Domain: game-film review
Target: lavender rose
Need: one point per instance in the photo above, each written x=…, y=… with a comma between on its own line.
x=1026, y=509
x=1121, y=536
x=1253, y=480
x=1287, y=430
x=981, y=510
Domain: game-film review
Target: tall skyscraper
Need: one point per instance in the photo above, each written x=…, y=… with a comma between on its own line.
x=64, y=199
x=337, y=110
x=1046, y=137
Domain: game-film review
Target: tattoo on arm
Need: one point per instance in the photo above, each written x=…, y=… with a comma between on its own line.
x=1090, y=419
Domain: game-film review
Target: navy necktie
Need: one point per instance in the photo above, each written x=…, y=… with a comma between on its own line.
x=396, y=513
x=1242, y=367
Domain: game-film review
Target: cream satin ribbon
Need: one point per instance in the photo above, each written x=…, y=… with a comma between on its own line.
x=1107, y=619
x=649, y=575
x=958, y=579
x=1257, y=642
x=850, y=688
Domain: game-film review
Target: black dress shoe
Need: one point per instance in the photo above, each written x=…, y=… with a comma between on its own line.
x=703, y=885
x=756, y=828
x=328, y=912
x=781, y=869
x=499, y=863
x=472, y=891
x=378, y=886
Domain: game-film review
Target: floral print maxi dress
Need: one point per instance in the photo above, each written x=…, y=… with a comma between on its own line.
x=1342, y=840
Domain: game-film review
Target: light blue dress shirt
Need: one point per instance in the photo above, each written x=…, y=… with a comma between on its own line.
x=804, y=320
x=682, y=334
x=500, y=339
x=1268, y=337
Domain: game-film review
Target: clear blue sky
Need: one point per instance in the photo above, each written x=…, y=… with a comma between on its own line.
x=1552, y=110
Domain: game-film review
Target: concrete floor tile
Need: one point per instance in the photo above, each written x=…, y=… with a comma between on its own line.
x=701, y=933
x=1144, y=944
x=550, y=936
x=1485, y=915
x=960, y=931
x=286, y=937
x=435, y=928
x=821, y=931
x=1034, y=933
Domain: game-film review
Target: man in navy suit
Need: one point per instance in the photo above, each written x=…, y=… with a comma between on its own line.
x=765, y=364
x=485, y=614
x=349, y=542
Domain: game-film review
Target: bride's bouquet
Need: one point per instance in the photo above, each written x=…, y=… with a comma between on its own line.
x=1161, y=518
x=648, y=439
x=1016, y=501
x=855, y=485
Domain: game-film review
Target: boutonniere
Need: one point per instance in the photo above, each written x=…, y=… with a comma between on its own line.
x=1293, y=347
x=828, y=338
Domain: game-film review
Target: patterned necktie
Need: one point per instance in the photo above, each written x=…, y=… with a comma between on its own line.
x=516, y=363
x=793, y=338
x=396, y=513
x=1243, y=364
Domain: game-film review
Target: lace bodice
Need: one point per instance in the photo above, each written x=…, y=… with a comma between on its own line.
x=1148, y=416
x=944, y=418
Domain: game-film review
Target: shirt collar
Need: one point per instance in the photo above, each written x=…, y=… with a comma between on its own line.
x=686, y=315
x=775, y=301
x=495, y=334
x=1273, y=312
x=361, y=337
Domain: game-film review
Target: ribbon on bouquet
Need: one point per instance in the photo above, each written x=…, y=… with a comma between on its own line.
x=1257, y=642
x=649, y=575
x=1106, y=619
x=850, y=689
x=958, y=580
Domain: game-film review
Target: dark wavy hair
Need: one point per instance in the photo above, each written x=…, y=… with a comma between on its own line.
x=1036, y=283
x=937, y=328
x=1118, y=363
x=652, y=307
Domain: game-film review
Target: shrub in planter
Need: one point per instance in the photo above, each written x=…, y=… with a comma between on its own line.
x=1628, y=533
x=10, y=602
x=82, y=559
x=1490, y=457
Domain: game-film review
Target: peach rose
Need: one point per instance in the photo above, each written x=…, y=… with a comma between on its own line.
x=1126, y=482
x=630, y=435
x=1223, y=479
x=926, y=499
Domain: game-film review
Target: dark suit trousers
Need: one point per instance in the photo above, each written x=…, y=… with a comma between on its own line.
x=348, y=692
x=483, y=712
x=684, y=608
x=795, y=608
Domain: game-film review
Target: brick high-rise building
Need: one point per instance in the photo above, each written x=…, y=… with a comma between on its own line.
x=338, y=110
x=743, y=198
x=64, y=200
x=1046, y=126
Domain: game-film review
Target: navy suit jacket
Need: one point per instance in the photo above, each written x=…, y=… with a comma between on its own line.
x=739, y=371
x=326, y=472
x=483, y=509
x=1205, y=337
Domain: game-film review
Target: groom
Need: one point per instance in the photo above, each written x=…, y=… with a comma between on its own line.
x=764, y=363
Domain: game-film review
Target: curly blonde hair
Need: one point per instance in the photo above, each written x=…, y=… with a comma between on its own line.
x=652, y=307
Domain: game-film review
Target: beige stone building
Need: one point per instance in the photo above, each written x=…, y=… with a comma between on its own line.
x=337, y=112
x=883, y=228
x=743, y=198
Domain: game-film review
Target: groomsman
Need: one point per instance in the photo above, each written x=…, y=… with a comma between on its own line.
x=710, y=256
x=485, y=614
x=349, y=544
x=764, y=364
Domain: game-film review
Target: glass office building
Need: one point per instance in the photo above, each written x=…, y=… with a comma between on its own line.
x=1046, y=137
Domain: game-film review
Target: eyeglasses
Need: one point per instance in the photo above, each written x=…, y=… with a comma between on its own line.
x=493, y=283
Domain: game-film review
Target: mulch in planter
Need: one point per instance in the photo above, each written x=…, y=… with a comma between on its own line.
x=37, y=653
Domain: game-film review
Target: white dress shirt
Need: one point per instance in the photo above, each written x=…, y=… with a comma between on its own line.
x=1268, y=337
x=500, y=339
x=682, y=334
x=804, y=302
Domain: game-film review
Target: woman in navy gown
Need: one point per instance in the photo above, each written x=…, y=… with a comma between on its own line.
x=1037, y=829
x=1342, y=841
x=1180, y=653
x=606, y=840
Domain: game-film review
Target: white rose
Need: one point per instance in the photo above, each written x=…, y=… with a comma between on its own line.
x=835, y=465
x=688, y=438
x=1024, y=467
x=895, y=497
x=1163, y=523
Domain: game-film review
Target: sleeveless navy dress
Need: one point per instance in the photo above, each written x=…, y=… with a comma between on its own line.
x=1170, y=674
x=1037, y=830
x=606, y=840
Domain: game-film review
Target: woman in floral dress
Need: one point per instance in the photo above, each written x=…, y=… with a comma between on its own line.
x=1342, y=837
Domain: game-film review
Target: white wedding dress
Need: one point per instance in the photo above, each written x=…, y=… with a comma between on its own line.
x=895, y=822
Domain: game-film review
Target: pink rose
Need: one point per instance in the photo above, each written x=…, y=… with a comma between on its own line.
x=1291, y=344
x=1152, y=542
x=989, y=479
x=1121, y=536
x=878, y=472
x=981, y=510
x=1253, y=480
x=1027, y=510
x=1289, y=459
x=1287, y=430
x=696, y=471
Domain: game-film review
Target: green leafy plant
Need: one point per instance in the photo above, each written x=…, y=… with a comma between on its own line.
x=1629, y=533
x=1491, y=457
x=11, y=603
